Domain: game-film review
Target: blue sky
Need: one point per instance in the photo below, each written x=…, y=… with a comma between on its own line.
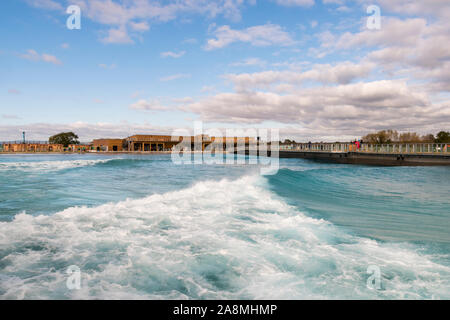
x=309, y=67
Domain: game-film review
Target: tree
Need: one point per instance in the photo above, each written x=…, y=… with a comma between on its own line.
x=443, y=137
x=383, y=136
x=64, y=138
x=409, y=137
x=429, y=138
x=390, y=136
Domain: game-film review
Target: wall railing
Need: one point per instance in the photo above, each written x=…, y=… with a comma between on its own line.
x=398, y=148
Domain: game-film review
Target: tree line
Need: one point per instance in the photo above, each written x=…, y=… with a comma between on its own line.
x=391, y=136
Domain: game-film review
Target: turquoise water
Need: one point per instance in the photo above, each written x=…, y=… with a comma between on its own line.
x=143, y=227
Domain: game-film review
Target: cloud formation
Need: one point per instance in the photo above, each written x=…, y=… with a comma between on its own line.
x=341, y=73
x=263, y=35
x=137, y=15
x=148, y=105
x=45, y=4
x=175, y=77
x=32, y=55
x=293, y=3
x=172, y=54
x=396, y=77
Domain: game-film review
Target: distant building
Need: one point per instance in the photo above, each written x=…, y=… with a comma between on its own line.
x=32, y=147
x=141, y=142
x=166, y=143
x=108, y=145
x=135, y=143
x=79, y=147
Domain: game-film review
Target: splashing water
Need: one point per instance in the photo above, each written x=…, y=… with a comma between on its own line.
x=221, y=232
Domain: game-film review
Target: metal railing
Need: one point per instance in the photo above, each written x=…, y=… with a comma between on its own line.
x=399, y=148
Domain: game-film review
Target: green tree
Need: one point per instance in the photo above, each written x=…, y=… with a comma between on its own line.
x=443, y=137
x=64, y=138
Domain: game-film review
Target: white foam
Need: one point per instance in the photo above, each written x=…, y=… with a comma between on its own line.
x=47, y=166
x=216, y=239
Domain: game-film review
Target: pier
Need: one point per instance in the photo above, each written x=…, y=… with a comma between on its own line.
x=394, y=154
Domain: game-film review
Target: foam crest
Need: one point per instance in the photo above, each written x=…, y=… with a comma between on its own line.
x=217, y=239
x=47, y=166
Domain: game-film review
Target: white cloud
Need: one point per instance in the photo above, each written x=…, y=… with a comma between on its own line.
x=117, y=36
x=175, y=77
x=250, y=62
x=333, y=1
x=65, y=46
x=45, y=4
x=208, y=89
x=172, y=54
x=341, y=99
x=341, y=73
x=32, y=55
x=136, y=15
x=343, y=9
x=140, y=26
x=359, y=107
x=148, y=105
x=438, y=8
x=393, y=32
x=263, y=35
x=184, y=100
x=291, y=3
x=412, y=47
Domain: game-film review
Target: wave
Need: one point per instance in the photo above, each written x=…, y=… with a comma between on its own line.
x=370, y=202
x=47, y=166
x=214, y=240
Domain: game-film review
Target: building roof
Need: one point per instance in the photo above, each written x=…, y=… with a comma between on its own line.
x=153, y=137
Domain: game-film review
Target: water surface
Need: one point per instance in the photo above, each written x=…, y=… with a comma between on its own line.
x=139, y=226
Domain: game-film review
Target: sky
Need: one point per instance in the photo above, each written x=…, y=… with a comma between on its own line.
x=317, y=70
